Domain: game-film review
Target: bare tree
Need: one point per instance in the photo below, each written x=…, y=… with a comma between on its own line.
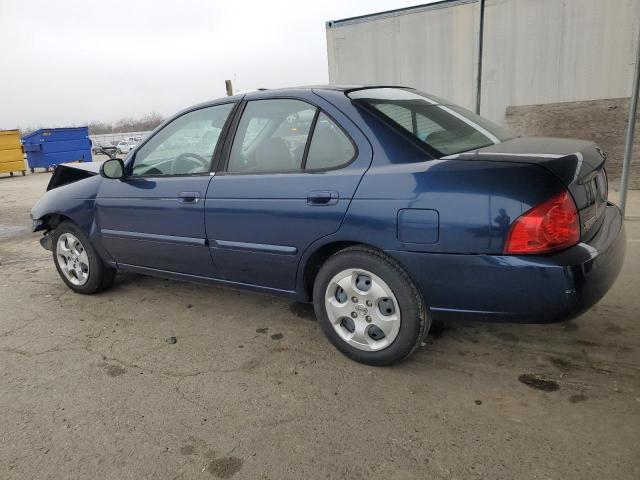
x=124, y=125
x=127, y=124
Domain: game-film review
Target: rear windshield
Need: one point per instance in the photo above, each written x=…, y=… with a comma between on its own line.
x=444, y=127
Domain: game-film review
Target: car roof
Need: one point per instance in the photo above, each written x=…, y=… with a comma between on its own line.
x=303, y=88
x=337, y=88
x=266, y=92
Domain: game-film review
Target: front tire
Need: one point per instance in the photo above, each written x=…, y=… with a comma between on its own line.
x=77, y=262
x=368, y=307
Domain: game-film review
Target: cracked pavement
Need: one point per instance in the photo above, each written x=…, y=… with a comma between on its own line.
x=90, y=387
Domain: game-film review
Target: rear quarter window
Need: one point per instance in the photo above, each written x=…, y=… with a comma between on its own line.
x=330, y=147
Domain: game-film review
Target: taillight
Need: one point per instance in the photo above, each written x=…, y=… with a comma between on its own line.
x=552, y=225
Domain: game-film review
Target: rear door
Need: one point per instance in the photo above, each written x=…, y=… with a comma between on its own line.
x=154, y=217
x=289, y=174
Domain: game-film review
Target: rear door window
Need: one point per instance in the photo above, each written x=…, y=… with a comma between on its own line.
x=274, y=135
x=271, y=136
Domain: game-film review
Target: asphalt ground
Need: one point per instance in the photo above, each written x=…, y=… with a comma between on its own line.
x=91, y=387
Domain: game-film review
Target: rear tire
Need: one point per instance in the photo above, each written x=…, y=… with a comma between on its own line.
x=369, y=308
x=77, y=262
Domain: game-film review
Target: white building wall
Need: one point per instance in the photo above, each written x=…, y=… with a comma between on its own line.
x=431, y=48
x=548, y=51
x=535, y=51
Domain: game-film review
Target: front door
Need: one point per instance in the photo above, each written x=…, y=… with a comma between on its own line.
x=154, y=217
x=291, y=172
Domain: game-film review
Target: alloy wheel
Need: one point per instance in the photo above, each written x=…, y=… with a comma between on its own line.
x=72, y=259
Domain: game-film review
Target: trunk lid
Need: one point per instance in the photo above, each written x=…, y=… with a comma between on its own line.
x=578, y=164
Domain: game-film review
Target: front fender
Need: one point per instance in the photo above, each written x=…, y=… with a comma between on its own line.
x=75, y=201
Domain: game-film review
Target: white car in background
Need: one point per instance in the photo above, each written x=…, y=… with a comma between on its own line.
x=125, y=147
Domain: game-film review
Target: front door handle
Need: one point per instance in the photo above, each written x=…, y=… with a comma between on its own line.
x=322, y=197
x=189, y=197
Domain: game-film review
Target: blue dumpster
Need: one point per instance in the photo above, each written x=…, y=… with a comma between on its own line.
x=49, y=147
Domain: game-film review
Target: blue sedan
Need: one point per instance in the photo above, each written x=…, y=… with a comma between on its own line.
x=386, y=207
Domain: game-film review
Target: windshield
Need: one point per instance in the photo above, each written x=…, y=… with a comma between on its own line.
x=444, y=127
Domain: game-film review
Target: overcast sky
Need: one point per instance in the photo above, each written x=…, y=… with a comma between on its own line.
x=70, y=62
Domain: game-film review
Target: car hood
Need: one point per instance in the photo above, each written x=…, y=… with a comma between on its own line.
x=72, y=172
x=93, y=167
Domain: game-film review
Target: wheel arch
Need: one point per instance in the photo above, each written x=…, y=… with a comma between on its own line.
x=317, y=258
x=49, y=221
x=85, y=221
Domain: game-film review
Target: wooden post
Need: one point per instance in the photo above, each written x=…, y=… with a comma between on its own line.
x=227, y=84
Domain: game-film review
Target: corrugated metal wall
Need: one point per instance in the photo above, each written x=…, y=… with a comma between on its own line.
x=549, y=51
x=535, y=51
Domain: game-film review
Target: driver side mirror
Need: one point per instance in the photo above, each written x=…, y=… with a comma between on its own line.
x=112, y=168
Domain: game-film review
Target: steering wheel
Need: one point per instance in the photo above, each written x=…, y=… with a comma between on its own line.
x=199, y=162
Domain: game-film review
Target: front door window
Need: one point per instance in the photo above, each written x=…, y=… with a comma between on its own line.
x=185, y=146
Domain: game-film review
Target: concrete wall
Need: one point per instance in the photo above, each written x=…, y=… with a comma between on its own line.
x=602, y=121
x=431, y=48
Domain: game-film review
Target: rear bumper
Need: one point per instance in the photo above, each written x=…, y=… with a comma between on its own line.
x=521, y=288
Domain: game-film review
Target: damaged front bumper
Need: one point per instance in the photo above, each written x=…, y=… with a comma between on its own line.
x=46, y=242
x=36, y=225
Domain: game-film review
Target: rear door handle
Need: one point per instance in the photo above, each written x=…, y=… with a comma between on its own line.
x=189, y=197
x=322, y=197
